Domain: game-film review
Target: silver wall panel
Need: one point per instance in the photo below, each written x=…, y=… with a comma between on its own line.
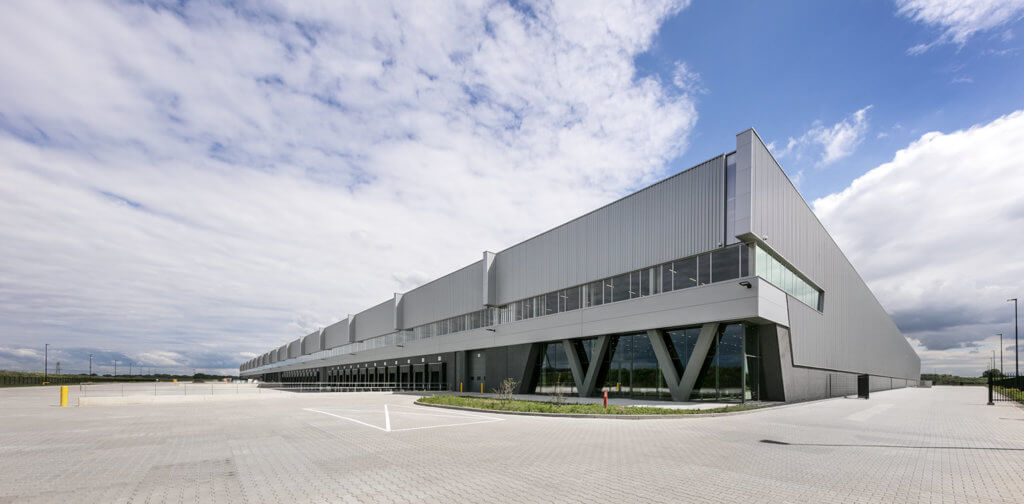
x=295, y=348
x=336, y=334
x=453, y=294
x=311, y=343
x=677, y=217
x=376, y=321
x=854, y=333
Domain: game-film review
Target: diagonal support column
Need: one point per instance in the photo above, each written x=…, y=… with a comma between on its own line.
x=594, y=369
x=700, y=352
x=668, y=368
x=576, y=362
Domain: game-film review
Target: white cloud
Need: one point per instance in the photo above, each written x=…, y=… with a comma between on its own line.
x=833, y=142
x=959, y=19
x=936, y=234
x=689, y=81
x=222, y=179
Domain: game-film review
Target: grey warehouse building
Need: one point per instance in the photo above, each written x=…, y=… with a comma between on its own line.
x=717, y=283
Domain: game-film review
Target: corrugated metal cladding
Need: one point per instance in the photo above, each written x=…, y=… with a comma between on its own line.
x=854, y=333
x=282, y=353
x=453, y=294
x=311, y=343
x=677, y=217
x=295, y=348
x=376, y=321
x=336, y=334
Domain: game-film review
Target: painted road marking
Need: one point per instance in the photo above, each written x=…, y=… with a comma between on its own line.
x=477, y=419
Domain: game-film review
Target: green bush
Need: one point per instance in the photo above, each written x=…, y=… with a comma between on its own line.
x=569, y=408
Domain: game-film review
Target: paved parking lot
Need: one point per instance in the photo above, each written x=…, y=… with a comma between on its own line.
x=914, y=445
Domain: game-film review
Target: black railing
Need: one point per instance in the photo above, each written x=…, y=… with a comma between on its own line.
x=1006, y=389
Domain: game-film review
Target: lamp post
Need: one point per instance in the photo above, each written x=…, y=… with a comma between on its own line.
x=46, y=360
x=1016, y=344
x=90, y=364
x=115, y=369
x=1000, y=353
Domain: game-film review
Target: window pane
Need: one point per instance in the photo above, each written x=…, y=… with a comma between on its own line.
x=617, y=379
x=725, y=264
x=685, y=273
x=704, y=269
x=595, y=292
x=550, y=303
x=620, y=288
x=654, y=279
x=667, y=272
x=647, y=379
x=634, y=285
x=572, y=299
x=744, y=260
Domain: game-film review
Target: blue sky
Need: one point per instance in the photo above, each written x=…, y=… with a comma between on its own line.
x=186, y=184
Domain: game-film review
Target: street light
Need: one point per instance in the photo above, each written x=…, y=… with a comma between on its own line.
x=46, y=360
x=1016, y=345
x=1000, y=354
x=115, y=368
x=90, y=364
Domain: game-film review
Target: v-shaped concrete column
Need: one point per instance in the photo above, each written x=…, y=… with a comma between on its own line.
x=586, y=383
x=681, y=386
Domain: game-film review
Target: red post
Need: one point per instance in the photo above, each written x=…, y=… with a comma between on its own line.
x=605, y=399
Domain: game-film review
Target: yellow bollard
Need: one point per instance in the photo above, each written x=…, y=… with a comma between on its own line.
x=460, y=387
x=481, y=388
x=618, y=387
x=64, y=397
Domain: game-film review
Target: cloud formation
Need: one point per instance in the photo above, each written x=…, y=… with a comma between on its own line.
x=832, y=142
x=198, y=181
x=936, y=234
x=959, y=20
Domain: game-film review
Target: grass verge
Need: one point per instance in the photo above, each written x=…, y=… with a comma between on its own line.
x=570, y=408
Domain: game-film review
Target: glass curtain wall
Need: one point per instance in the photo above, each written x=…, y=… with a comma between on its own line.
x=778, y=274
x=555, y=374
x=633, y=369
x=731, y=371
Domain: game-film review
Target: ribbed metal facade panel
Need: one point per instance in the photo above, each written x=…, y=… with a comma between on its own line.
x=853, y=333
x=680, y=216
x=376, y=321
x=295, y=348
x=453, y=294
x=311, y=343
x=336, y=334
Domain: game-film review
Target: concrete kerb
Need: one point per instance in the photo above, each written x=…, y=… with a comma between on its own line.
x=587, y=415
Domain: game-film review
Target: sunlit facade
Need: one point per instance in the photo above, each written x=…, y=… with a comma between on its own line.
x=717, y=284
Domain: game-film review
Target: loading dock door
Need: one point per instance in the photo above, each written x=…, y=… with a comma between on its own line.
x=419, y=374
x=435, y=375
x=406, y=378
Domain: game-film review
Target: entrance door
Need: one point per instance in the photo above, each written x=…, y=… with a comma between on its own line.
x=477, y=370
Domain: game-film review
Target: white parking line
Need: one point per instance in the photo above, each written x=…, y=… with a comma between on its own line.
x=387, y=419
x=344, y=418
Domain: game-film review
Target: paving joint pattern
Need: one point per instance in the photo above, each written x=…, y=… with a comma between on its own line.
x=938, y=445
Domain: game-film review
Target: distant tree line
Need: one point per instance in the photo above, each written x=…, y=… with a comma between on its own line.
x=21, y=378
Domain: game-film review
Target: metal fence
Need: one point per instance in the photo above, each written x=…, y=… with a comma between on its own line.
x=354, y=387
x=165, y=389
x=1006, y=389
